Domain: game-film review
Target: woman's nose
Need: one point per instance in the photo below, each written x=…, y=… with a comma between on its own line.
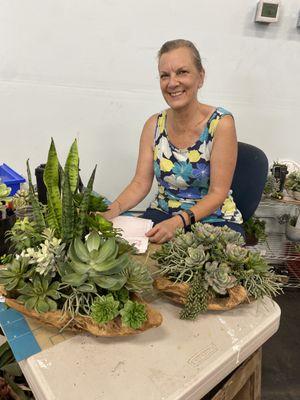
x=173, y=81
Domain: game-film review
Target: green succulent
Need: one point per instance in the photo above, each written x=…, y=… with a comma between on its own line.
x=15, y=273
x=40, y=295
x=196, y=256
x=256, y=263
x=104, y=309
x=24, y=234
x=96, y=261
x=218, y=277
x=133, y=314
x=21, y=199
x=230, y=236
x=206, y=233
x=196, y=299
x=138, y=277
x=236, y=254
x=47, y=255
x=4, y=192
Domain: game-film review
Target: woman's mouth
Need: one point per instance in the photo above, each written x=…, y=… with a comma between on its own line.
x=176, y=94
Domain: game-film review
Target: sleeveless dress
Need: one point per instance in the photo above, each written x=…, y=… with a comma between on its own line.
x=183, y=175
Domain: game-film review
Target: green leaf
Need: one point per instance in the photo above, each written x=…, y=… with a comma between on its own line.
x=72, y=167
x=81, y=250
x=36, y=208
x=68, y=210
x=42, y=306
x=93, y=241
x=74, y=279
x=12, y=369
x=52, y=304
x=31, y=302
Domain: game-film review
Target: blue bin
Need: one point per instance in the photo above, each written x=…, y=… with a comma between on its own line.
x=11, y=178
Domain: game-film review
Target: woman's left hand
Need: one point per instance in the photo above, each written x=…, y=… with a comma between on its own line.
x=163, y=231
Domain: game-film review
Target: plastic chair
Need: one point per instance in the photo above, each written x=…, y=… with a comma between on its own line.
x=249, y=178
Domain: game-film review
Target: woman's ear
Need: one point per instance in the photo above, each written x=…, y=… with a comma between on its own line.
x=202, y=75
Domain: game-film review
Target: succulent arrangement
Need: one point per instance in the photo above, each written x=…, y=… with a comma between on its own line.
x=70, y=259
x=292, y=184
x=272, y=188
x=213, y=261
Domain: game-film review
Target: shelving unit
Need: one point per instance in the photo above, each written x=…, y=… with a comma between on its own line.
x=282, y=256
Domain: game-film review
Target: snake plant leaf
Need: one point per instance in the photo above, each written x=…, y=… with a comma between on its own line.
x=51, y=180
x=93, y=241
x=68, y=210
x=72, y=167
x=83, y=209
x=36, y=208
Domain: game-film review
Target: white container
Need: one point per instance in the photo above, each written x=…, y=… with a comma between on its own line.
x=292, y=233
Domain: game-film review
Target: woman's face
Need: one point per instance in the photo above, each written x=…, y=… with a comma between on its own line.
x=179, y=78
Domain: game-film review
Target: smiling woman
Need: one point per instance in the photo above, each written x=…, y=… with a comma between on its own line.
x=191, y=149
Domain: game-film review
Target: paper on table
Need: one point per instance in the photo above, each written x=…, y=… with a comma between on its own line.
x=133, y=230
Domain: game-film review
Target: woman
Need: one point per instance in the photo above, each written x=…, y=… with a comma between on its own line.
x=193, y=148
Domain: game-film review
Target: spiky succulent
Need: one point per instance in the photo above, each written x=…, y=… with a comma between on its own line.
x=104, y=309
x=133, y=314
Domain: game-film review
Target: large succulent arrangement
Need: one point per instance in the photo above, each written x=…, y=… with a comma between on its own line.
x=68, y=258
x=213, y=260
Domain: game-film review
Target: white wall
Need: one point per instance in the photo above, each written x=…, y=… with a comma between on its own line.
x=87, y=69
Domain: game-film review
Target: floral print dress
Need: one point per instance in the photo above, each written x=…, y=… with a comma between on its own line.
x=183, y=174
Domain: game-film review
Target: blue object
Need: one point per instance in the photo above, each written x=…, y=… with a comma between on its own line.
x=18, y=334
x=11, y=178
x=249, y=178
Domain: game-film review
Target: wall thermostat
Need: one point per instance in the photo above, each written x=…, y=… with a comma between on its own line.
x=267, y=11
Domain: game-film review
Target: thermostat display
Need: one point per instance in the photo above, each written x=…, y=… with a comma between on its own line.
x=267, y=11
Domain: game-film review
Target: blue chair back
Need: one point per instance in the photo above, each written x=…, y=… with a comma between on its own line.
x=249, y=178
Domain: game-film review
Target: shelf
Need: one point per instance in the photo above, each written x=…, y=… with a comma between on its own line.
x=280, y=253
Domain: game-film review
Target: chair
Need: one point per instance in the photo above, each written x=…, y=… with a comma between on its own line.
x=249, y=178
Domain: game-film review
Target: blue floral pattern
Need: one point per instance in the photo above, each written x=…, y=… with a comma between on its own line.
x=183, y=175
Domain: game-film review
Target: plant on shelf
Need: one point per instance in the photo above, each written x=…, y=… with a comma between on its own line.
x=70, y=267
x=209, y=269
x=292, y=230
x=271, y=189
x=255, y=231
x=279, y=171
x=292, y=185
x=7, y=216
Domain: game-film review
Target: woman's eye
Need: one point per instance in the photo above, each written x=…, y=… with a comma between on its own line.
x=163, y=76
x=183, y=72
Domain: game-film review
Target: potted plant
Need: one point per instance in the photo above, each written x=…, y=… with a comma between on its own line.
x=292, y=231
x=7, y=216
x=70, y=267
x=271, y=189
x=292, y=185
x=208, y=269
x=255, y=231
x=279, y=171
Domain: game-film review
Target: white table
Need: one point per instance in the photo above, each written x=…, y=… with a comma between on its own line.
x=179, y=360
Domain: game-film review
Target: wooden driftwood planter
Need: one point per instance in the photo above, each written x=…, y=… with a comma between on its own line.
x=85, y=323
x=177, y=292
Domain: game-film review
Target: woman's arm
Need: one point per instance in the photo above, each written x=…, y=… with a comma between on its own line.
x=222, y=165
x=141, y=183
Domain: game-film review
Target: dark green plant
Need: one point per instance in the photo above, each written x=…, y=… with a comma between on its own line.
x=40, y=295
x=104, y=309
x=13, y=385
x=14, y=274
x=133, y=314
x=197, y=298
x=255, y=227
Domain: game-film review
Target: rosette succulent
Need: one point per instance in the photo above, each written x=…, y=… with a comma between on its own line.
x=236, y=254
x=218, y=277
x=196, y=256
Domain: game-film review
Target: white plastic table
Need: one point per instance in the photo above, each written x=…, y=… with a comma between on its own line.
x=179, y=360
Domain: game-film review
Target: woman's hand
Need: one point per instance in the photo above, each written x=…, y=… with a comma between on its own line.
x=164, y=231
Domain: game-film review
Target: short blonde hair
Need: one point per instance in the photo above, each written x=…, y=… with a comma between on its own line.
x=178, y=43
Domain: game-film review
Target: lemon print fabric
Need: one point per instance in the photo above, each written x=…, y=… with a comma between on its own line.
x=183, y=175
